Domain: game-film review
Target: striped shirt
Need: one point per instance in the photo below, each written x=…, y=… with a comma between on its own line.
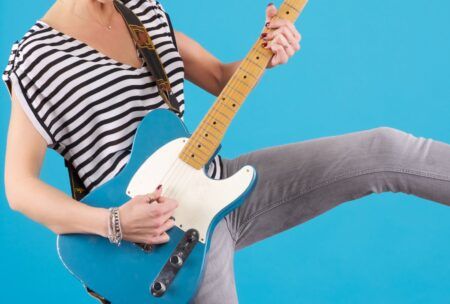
x=86, y=105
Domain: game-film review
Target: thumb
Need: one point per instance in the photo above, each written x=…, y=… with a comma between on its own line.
x=271, y=11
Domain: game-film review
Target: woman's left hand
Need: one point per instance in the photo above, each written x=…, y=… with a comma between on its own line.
x=283, y=40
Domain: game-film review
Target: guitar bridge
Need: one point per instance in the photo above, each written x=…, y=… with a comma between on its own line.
x=175, y=263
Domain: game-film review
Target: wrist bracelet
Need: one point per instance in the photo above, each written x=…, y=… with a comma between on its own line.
x=114, y=227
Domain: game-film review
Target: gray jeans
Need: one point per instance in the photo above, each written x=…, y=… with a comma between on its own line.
x=299, y=181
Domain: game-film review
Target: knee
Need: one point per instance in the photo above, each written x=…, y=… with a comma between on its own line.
x=388, y=142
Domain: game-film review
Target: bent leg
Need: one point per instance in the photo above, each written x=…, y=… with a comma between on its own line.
x=299, y=181
x=218, y=285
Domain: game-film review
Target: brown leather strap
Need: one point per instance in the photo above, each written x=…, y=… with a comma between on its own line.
x=148, y=51
x=76, y=185
x=144, y=44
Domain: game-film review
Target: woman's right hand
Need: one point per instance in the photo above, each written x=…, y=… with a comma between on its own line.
x=146, y=218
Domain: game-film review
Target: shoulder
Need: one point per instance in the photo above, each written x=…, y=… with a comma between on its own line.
x=22, y=51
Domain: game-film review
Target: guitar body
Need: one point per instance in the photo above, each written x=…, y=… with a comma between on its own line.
x=125, y=274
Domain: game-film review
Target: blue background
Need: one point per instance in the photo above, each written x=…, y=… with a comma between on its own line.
x=363, y=64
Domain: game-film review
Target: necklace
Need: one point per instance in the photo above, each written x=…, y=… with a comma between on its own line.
x=108, y=25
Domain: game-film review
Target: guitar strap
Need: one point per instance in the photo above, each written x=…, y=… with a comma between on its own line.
x=147, y=49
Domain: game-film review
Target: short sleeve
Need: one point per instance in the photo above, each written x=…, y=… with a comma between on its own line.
x=14, y=76
x=169, y=22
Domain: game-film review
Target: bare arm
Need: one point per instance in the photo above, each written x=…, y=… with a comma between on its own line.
x=142, y=221
x=39, y=201
x=202, y=68
x=206, y=71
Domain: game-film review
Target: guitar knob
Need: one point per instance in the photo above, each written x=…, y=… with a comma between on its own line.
x=176, y=261
x=158, y=288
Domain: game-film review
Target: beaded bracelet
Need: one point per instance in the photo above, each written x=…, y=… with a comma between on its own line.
x=114, y=228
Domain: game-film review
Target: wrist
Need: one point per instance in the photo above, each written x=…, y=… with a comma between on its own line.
x=103, y=222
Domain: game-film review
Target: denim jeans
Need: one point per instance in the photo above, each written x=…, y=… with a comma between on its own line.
x=297, y=182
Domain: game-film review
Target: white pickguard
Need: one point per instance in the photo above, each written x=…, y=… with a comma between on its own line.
x=200, y=198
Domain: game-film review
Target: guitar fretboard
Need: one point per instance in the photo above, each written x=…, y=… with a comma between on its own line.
x=209, y=134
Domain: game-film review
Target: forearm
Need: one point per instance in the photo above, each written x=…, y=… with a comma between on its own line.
x=228, y=70
x=54, y=209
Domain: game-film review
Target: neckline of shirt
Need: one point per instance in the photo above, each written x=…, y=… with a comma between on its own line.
x=99, y=53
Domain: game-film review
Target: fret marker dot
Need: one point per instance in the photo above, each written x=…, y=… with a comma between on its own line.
x=206, y=134
x=214, y=123
x=287, y=13
x=245, y=76
x=199, y=146
x=234, y=104
x=192, y=155
x=257, y=57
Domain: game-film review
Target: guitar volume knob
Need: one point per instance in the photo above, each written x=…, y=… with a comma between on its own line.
x=176, y=260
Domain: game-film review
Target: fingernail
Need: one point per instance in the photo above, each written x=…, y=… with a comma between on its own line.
x=159, y=187
x=267, y=24
x=270, y=4
x=263, y=35
x=264, y=44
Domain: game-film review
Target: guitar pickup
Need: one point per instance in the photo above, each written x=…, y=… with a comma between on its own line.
x=176, y=261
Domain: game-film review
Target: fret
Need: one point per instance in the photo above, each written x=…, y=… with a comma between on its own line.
x=291, y=6
x=231, y=98
x=233, y=105
x=229, y=113
x=208, y=140
x=214, y=121
x=255, y=64
x=208, y=132
x=228, y=108
x=262, y=54
x=201, y=145
x=208, y=135
x=249, y=73
x=193, y=158
x=244, y=83
x=234, y=89
x=196, y=150
x=225, y=120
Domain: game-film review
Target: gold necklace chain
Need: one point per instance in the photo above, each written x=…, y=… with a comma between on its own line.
x=107, y=26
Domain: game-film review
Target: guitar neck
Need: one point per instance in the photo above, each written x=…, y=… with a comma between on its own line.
x=209, y=134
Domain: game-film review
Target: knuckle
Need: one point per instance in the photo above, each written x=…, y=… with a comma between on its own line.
x=157, y=223
x=156, y=212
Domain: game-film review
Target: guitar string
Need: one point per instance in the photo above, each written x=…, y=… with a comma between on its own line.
x=175, y=173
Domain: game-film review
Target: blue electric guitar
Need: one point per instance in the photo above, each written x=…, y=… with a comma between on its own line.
x=164, y=153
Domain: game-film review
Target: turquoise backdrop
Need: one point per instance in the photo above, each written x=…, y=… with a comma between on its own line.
x=363, y=64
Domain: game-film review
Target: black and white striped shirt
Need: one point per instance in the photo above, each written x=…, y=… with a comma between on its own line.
x=86, y=105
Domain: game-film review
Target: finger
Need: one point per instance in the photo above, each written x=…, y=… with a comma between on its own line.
x=155, y=195
x=294, y=31
x=285, y=43
x=159, y=209
x=283, y=31
x=277, y=23
x=271, y=11
x=280, y=56
x=159, y=239
x=165, y=227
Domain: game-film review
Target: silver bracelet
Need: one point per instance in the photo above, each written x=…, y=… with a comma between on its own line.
x=114, y=228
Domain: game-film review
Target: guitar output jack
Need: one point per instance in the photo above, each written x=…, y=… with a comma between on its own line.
x=158, y=289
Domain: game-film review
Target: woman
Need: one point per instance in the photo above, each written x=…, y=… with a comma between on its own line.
x=78, y=86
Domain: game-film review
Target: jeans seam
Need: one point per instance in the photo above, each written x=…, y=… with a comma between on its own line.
x=339, y=178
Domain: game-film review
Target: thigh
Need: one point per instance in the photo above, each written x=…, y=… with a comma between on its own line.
x=218, y=285
x=299, y=181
